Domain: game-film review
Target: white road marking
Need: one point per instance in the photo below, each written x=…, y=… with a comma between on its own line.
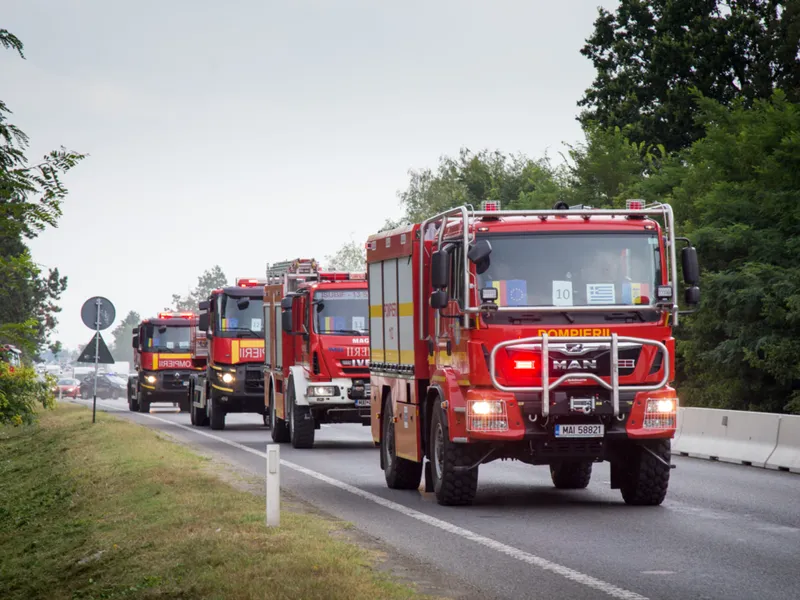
x=531, y=559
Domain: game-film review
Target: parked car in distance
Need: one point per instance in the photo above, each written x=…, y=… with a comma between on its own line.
x=108, y=386
x=68, y=388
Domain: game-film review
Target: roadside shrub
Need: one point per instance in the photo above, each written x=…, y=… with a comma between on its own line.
x=21, y=393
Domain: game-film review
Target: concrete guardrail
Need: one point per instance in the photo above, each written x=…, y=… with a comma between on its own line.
x=759, y=439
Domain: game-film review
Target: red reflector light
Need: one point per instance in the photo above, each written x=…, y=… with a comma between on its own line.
x=634, y=204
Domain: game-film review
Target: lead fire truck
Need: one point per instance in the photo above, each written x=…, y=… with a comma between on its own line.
x=233, y=382
x=317, y=352
x=543, y=336
x=162, y=361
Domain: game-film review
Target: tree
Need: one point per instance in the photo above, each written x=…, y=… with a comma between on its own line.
x=121, y=348
x=352, y=256
x=210, y=280
x=30, y=201
x=518, y=182
x=736, y=192
x=650, y=55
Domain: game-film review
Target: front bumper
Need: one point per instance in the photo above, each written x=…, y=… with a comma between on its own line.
x=169, y=386
x=244, y=393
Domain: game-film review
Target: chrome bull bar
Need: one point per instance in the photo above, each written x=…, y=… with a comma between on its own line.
x=547, y=387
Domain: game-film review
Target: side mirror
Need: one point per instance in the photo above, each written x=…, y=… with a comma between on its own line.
x=439, y=299
x=135, y=341
x=202, y=321
x=691, y=267
x=320, y=306
x=479, y=251
x=692, y=296
x=440, y=269
x=286, y=320
x=203, y=305
x=242, y=303
x=286, y=303
x=162, y=329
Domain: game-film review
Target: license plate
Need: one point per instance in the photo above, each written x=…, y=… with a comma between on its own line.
x=580, y=431
x=362, y=402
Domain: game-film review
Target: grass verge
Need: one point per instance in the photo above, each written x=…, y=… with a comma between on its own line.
x=112, y=510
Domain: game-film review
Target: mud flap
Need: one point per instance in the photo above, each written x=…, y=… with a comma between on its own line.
x=428, y=477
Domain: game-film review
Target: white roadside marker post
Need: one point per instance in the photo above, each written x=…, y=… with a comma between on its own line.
x=273, y=485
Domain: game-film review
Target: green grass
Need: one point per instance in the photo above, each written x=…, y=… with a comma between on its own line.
x=112, y=510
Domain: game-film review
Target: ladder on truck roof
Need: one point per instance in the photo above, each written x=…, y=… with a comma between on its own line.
x=291, y=273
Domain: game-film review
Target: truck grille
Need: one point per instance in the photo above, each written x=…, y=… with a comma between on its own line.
x=254, y=380
x=174, y=381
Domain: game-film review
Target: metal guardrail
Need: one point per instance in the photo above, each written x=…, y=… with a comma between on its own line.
x=547, y=387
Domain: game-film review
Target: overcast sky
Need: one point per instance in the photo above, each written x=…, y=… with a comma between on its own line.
x=244, y=132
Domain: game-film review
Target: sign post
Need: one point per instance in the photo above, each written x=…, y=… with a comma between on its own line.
x=97, y=313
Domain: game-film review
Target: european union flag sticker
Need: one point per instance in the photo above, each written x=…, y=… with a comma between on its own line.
x=516, y=292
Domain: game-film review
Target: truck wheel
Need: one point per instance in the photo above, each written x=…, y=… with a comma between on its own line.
x=301, y=423
x=646, y=479
x=400, y=473
x=571, y=475
x=144, y=404
x=133, y=402
x=452, y=488
x=280, y=432
x=198, y=415
x=217, y=416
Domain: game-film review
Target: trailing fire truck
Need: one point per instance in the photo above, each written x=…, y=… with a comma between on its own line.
x=317, y=350
x=233, y=382
x=162, y=361
x=12, y=355
x=543, y=336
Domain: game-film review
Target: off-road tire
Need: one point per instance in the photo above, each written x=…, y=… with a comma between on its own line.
x=199, y=417
x=217, y=417
x=571, y=475
x=265, y=417
x=451, y=488
x=301, y=426
x=400, y=473
x=279, y=429
x=646, y=479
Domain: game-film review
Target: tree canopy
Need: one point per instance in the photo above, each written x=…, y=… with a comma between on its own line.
x=121, y=348
x=352, y=256
x=651, y=55
x=211, y=279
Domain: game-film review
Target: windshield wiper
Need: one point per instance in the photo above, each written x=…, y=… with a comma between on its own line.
x=345, y=331
x=247, y=329
x=626, y=316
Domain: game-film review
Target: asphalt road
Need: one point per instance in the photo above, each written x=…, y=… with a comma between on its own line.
x=725, y=531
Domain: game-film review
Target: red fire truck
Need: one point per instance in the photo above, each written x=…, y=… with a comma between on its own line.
x=162, y=361
x=543, y=336
x=317, y=352
x=233, y=382
x=12, y=355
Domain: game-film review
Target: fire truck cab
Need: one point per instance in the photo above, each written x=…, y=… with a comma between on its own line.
x=317, y=351
x=162, y=361
x=233, y=381
x=543, y=336
x=11, y=355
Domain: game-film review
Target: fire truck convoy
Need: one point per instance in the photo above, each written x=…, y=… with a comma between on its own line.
x=543, y=336
x=317, y=350
x=231, y=321
x=162, y=360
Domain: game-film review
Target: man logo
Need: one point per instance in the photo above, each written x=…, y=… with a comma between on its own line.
x=569, y=365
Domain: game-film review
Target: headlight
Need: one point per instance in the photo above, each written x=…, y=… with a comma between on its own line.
x=227, y=377
x=150, y=378
x=664, y=405
x=322, y=390
x=486, y=407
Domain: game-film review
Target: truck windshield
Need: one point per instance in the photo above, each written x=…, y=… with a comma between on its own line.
x=574, y=269
x=173, y=338
x=341, y=312
x=240, y=316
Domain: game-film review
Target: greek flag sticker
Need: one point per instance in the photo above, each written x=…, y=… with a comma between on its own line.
x=600, y=293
